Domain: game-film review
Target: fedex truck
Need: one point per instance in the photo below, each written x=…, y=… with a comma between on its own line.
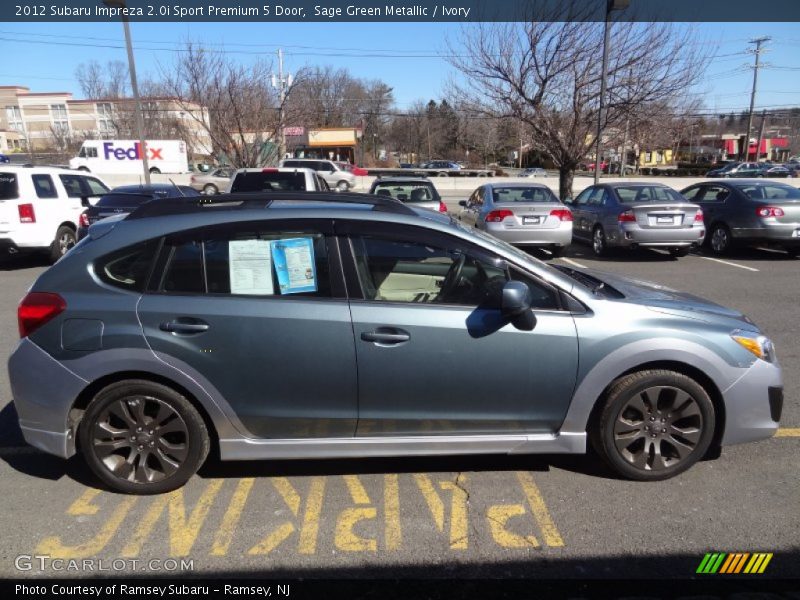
x=125, y=156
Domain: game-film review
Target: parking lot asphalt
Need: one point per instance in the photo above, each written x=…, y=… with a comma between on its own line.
x=495, y=516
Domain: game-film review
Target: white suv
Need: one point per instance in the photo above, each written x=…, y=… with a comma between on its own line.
x=335, y=174
x=40, y=208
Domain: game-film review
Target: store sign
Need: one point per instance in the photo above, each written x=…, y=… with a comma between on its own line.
x=294, y=131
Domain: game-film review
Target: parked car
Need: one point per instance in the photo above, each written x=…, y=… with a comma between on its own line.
x=295, y=179
x=523, y=214
x=123, y=199
x=336, y=176
x=748, y=211
x=793, y=168
x=418, y=191
x=776, y=171
x=749, y=169
x=212, y=182
x=40, y=208
x=4, y=159
x=636, y=214
x=183, y=327
x=441, y=165
x=533, y=172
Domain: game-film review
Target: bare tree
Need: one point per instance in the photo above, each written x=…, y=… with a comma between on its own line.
x=547, y=74
x=234, y=105
x=98, y=82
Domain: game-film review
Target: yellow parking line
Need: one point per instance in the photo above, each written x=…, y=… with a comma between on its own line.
x=788, y=432
x=549, y=530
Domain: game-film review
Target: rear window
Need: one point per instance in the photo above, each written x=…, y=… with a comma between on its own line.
x=122, y=200
x=648, y=193
x=128, y=268
x=771, y=192
x=265, y=182
x=516, y=194
x=406, y=192
x=9, y=189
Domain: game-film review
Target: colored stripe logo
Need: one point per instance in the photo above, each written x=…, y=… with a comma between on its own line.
x=734, y=563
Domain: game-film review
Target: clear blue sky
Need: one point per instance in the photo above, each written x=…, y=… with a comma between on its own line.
x=44, y=56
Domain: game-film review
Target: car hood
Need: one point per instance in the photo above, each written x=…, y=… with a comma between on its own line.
x=666, y=300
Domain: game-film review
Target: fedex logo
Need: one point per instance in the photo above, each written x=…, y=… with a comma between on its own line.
x=132, y=153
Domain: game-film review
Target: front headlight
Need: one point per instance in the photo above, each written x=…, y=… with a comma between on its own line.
x=759, y=345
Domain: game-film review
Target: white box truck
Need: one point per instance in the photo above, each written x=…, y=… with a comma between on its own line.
x=125, y=156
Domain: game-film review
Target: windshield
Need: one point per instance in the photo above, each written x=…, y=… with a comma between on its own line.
x=264, y=182
x=406, y=192
x=647, y=193
x=771, y=191
x=522, y=194
x=9, y=188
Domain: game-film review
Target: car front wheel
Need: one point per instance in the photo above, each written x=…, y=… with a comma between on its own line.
x=654, y=424
x=342, y=186
x=141, y=437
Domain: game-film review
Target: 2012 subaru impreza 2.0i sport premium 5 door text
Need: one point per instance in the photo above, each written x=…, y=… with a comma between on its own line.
x=321, y=325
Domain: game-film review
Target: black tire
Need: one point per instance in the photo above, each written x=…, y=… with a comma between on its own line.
x=678, y=252
x=210, y=189
x=65, y=239
x=84, y=169
x=719, y=239
x=598, y=241
x=155, y=171
x=659, y=393
x=180, y=449
x=342, y=186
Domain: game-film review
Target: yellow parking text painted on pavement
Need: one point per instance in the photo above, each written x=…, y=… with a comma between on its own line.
x=224, y=535
x=346, y=539
x=458, y=507
x=788, y=432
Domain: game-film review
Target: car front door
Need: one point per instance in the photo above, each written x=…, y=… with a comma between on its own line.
x=434, y=355
x=258, y=312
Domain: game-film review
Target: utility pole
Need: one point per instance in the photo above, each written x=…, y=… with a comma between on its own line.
x=623, y=163
x=520, y=144
x=761, y=133
x=744, y=151
x=282, y=85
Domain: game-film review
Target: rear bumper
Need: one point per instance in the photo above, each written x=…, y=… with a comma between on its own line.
x=753, y=404
x=560, y=236
x=773, y=233
x=43, y=391
x=633, y=235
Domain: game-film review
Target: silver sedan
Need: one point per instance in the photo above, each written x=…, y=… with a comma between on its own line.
x=523, y=214
x=214, y=182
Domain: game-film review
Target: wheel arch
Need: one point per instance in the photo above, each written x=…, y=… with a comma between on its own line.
x=83, y=400
x=69, y=224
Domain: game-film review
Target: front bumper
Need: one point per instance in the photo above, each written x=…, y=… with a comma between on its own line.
x=43, y=391
x=633, y=235
x=753, y=404
x=557, y=236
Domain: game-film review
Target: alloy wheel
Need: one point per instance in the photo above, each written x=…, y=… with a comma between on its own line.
x=598, y=241
x=140, y=439
x=65, y=242
x=658, y=428
x=719, y=240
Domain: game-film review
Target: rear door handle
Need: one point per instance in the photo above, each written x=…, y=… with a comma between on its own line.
x=386, y=336
x=184, y=326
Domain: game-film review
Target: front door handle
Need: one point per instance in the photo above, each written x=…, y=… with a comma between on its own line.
x=386, y=336
x=179, y=326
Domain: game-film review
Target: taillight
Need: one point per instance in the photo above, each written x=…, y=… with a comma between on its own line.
x=442, y=207
x=563, y=214
x=36, y=309
x=626, y=217
x=769, y=211
x=496, y=216
x=698, y=216
x=83, y=220
x=26, y=213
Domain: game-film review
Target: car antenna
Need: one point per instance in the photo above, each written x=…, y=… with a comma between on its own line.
x=175, y=185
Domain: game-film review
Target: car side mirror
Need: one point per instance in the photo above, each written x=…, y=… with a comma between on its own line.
x=462, y=203
x=515, y=305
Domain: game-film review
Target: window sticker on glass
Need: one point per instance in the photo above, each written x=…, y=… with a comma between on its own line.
x=250, y=267
x=294, y=265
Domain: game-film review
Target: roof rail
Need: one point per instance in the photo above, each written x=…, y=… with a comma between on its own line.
x=255, y=200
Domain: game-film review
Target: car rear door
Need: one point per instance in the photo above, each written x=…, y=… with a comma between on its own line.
x=434, y=359
x=257, y=312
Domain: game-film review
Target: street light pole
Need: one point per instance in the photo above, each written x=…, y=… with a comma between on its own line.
x=611, y=5
x=134, y=88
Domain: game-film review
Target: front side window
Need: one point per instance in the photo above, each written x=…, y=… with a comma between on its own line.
x=72, y=183
x=44, y=186
x=583, y=197
x=247, y=262
x=95, y=186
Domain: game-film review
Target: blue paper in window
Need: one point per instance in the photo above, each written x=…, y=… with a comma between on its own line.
x=294, y=265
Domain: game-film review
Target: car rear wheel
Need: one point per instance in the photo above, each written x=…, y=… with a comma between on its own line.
x=720, y=239
x=599, y=241
x=654, y=424
x=65, y=239
x=210, y=190
x=342, y=186
x=141, y=437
